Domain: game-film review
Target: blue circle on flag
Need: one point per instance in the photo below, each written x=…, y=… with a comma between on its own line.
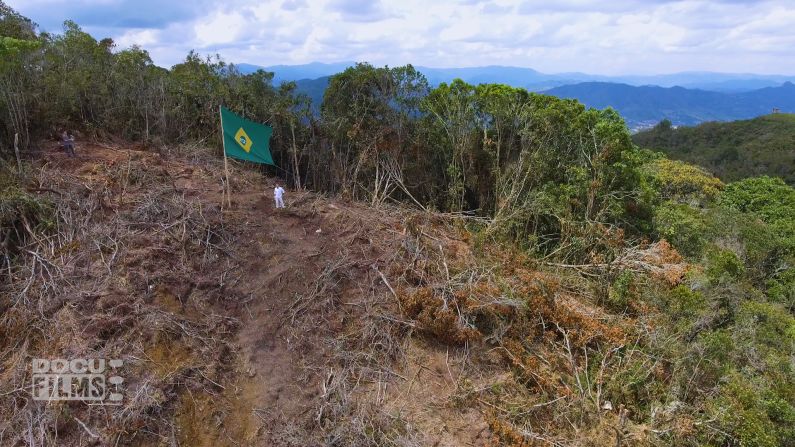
x=243, y=140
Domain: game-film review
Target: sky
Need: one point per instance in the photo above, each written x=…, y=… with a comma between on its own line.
x=610, y=37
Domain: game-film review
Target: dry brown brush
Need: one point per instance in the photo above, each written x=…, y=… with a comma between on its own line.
x=130, y=269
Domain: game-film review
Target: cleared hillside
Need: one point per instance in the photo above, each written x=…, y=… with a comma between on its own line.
x=236, y=327
x=252, y=326
x=336, y=323
x=733, y=150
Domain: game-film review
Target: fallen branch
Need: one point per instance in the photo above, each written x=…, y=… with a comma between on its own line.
x=389, y=286
x=85, y=427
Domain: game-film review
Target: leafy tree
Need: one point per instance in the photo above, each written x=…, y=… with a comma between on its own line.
x=137, y=86
x=15, y=25
x=368, y=115
x=195, y=91
x=18, y=47
x=16, y=80
x=676, y=180
x=75, y=78
x=451, y=110
x=584, y=174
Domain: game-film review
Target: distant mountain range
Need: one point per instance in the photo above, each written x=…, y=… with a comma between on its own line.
x=283, y=73
x=536, y=81
x=683, y=98
x=643, y=107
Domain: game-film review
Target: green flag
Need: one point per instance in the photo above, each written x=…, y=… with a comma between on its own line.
x=246, y=140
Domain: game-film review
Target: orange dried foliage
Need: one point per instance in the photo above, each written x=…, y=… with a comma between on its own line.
x=667, y=253
x=541, y=291
x=684, y=426
x=505, y=435
x=532, y=373
x=671, y=267
x=435, y=318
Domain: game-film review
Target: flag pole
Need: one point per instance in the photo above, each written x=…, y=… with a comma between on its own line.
x=226, y=166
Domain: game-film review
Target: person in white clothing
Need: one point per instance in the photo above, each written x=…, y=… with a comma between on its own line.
x=278, y=195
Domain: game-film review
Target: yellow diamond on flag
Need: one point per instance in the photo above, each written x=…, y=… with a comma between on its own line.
x=242, y=138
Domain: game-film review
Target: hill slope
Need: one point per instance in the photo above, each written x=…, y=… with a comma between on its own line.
x=296, y=72
x=733, y=150
x=250, y=326
x=314, y=89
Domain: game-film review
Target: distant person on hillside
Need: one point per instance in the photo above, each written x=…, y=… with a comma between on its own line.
x=68, y=143
x=278, y=195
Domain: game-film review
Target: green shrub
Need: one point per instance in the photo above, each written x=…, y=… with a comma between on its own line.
x=769, y=199
x=718, y=353
x=21, y=213
x=724, y=264
x=683, y=226
x=622, y=291
x=748, y=411
x=758, y=244
x=781, y=288
x=686, y=303
x=770, y=326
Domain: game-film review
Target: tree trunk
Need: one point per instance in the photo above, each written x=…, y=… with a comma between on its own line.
x=16, y=151
x=296, y=171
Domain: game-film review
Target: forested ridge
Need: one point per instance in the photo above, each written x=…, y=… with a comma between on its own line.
x=692, y=274
x=733, y=150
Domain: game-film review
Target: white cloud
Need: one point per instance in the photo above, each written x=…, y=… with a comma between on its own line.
x=222, y=28
x=620, y=36
x=142, y=38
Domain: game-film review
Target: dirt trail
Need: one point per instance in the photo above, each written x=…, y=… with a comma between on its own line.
x=282, y=252
x=282, y=263
x=289, y=358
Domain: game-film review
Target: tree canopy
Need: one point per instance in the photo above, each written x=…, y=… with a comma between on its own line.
x=732, y=150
